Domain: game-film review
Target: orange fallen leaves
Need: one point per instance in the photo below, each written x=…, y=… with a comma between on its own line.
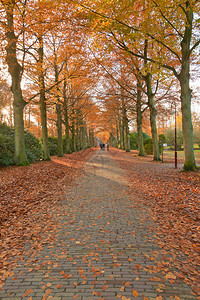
x=170, y=275
x=58, y=286
x=173, y=199
x=29, y=291
x=135, y=293
x=116, y=265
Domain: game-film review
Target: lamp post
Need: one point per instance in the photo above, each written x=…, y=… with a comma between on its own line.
x=175, y=135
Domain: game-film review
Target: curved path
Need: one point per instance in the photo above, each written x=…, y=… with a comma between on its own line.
x=103, y=247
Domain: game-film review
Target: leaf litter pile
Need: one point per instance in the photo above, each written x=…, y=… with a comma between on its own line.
x=29, y=196
x=174, y=199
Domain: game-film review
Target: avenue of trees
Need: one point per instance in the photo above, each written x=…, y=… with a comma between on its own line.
x=78, y=68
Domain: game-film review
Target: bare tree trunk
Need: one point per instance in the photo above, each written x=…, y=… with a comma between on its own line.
x=184, y=78
x=78, y=131
x=15, y=71
x=120, y=134
x=58, y=109
x=151, y=104
x=59, y=129
x=73, y=133
x=153, y=114
x=127, y=134
x=118, y=139
x=141, y=151
x=43, y=102
x=66, y=117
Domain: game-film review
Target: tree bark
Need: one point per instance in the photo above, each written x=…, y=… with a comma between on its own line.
x=151, y=104
x=78, y=131
x=59, y=129
x=73, y=133
x=58, y=109
x=184, y=78
x=120, y=134
x=118, y=139
x=66, y=118
x=141, y=151
x=127, y=134
x=153, y=114
x=43, y=102
x=15, y=71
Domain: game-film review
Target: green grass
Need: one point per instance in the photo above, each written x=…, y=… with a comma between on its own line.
x=180, y=154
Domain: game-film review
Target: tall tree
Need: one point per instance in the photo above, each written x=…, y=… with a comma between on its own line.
x=16, y=70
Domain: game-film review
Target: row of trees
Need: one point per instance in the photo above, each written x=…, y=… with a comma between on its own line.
x=158, y=39
x=100, y=67
x=44, y=53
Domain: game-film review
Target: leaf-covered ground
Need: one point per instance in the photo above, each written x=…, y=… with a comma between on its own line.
x=100, y=239
x=28, y=197
x=174, y=199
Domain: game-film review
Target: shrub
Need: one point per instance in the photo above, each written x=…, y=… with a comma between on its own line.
x=7, y=149
x=148, y=146
x=53, y=145
x=7, y=146
x=33, y=147
x=134, y=140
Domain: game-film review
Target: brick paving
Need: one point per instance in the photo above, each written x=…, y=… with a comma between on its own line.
x=104, y=247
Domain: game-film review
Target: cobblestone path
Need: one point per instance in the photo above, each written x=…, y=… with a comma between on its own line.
x=104, y=247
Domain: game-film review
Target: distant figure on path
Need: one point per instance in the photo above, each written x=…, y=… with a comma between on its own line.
x=107, y=147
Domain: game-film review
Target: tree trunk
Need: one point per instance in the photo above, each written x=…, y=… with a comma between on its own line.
x=15, y=71
x=127, y=134
x=118, y=138
x=58, y=108
x=123, y=125
x=141, y=151
x=184, y=78
x=78, y=131
x=43, y=102
x=66, y=117
x=59, y=129
x=120, y=134
x=91, y=138
x=153, y=114
x=73, y=133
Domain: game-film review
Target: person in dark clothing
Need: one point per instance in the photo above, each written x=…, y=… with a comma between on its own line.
x=107, y=147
